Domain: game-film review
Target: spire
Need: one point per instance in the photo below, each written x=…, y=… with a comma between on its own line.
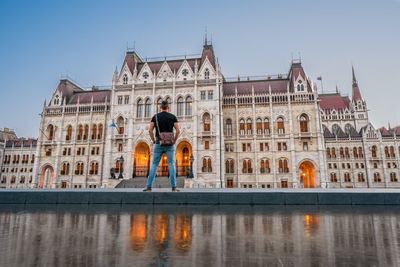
x=205, y=37
x=354, y=75
x=356, y=93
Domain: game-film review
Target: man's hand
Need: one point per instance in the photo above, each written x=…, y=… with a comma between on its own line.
x=177, y=131
x=151, y=132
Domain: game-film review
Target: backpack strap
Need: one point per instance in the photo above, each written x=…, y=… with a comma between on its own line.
x=157, y=127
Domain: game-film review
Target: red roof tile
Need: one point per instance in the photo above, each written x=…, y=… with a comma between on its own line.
x=333, y=101
x=260, y=87
x=86, y=97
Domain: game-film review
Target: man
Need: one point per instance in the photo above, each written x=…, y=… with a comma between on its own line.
x=166, y=122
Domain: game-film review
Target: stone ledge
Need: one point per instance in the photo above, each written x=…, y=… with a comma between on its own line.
x=201, y=197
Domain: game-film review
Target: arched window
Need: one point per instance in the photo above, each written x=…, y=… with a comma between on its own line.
x=360, y=177
x=206, y=122
x=355, y=153
x=168, y=99
x=94, y=168
x=347, y=129
x=328, y=153
x=22, y=179
x=229, y=166
x=86, y=132
x=373, y=151
x=13, y=178
x=303, y=123
x=333, y=177
x=377, y=177
x=249, y=126
x=68, y=137
x=100, y=132
x=94, y=131
x=159, y=101
x=180, y=103
x=188, y=106
x=125, y=79
x=228, y=127
x=139, y=108
x=206, y=74
x=360, y=152
x=387, y=152
x=247, y=166
x=264, y=166
x=341, y=152
x=65, y=168
x=392, y=153
x=266, y=126
x=241, y=127
x=347, y=178
x=79, y=168
x=346, y=152
x=80, y=132
x=280, y=125
x=393, y=177
x=283, y=166
x=120, y=125
x=335, y=129
x=147, y=108
x=207, y=167
x=259, y=126
x=50, y=132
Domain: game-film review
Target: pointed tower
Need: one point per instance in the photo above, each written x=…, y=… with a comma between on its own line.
x=359, y=106
x=208, y=52
x=356, y=94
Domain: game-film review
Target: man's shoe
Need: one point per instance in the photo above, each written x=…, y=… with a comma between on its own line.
x=148, y=189
x=174, y=189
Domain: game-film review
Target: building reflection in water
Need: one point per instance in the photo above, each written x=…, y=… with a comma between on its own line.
x=183, y=232
x=138, y=232
x=160, y=229
x=187, y=238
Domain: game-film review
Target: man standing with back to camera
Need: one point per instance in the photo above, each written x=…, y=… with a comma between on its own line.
x=163, y=122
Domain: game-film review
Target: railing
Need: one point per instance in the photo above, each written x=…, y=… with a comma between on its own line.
x=257, y=78
x=120, y=136
x=161, y=171
x=305, y=135
x=155, y=59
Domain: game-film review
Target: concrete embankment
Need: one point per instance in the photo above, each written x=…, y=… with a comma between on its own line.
x=204, y=196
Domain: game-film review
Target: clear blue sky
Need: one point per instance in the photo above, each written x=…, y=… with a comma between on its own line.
x=42, y=40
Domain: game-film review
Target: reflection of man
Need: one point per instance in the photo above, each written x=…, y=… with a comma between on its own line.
x=163, y=122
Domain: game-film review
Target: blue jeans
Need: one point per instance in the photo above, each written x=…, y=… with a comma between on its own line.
x=158, y=151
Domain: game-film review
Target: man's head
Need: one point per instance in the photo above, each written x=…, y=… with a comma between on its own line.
x=164, y=105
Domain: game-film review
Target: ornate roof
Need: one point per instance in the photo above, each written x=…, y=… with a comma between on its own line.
x=334, y=101
x=260, y=87
x=85, y=97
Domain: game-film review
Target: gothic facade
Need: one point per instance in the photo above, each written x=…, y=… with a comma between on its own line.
x=263, y=132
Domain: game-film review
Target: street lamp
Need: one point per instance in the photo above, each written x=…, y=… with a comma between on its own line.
x=191, y=166
x=120, y=161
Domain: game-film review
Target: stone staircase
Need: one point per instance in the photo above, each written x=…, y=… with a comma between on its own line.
x=159, y=182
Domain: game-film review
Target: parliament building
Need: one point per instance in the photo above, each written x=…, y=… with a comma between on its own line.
x=275, y=131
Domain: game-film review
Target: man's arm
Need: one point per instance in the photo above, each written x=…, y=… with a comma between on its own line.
x=151, y=132
x=177, y=130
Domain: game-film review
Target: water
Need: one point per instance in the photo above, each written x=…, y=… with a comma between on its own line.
x=109, y=235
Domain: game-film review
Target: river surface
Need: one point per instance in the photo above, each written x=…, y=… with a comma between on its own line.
x=97, y=235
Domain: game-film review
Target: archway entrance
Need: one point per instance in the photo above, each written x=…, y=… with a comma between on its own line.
x=46, y=177
x=141, y=160
x=182, y=158
x=307, y=174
